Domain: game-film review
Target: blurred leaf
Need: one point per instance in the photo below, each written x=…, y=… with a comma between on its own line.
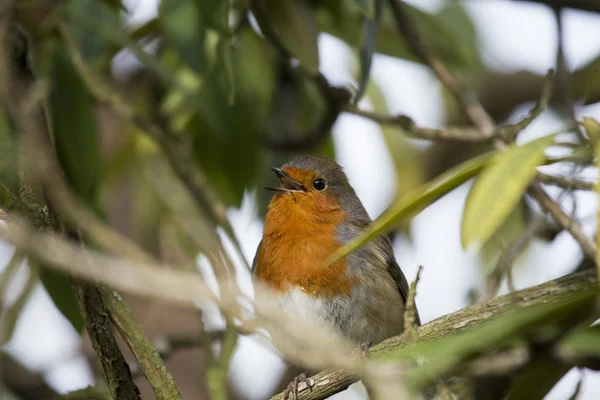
x=440, y=355
x=184, y=29
x=341, y=18
x=367, y=7
x=149, y=29
x=8, y=155
x=586, y=82
x=295, y=24
x=537, y=379
x=416, y=201
x=499, y=187
x=232, y=160
x=96, y=51
x=592, y=128
x=58, y=286
x=368, y=48
x=114, y=4
x=456, y=17
x=512, y=227
x=581, y=342
x=76, y=139
x=74, y=127
x=216, y=13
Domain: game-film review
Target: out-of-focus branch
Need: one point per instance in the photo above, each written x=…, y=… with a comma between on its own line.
x=309, y=345
x=27, y=113
x=564, y=182
x=22, y=382
x=177, y=152
x=564, y=80
x=406, y=123
x=585, y=5
x=169, y=345
x=466, y=98
x=328, y=383
x=550, y=205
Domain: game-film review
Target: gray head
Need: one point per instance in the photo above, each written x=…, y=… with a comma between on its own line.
x=321, y=179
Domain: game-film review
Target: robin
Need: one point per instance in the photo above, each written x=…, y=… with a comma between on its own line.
x=315, y=211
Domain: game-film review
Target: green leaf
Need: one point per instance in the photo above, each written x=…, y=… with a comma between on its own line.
x=8, y=155
x=439, y=356
x=592, y=128
x=97, y=52
x=498, y=188
x=581, y=342
x=341, y=18
x=76, y=139
x=254, y=70
x=367, y=7
x=184, y=28
x=294, y=23
x=415, y=201
x=537, y=379
x=368, y=48
x=74, y=127
x=58, y=286
x=114, y=4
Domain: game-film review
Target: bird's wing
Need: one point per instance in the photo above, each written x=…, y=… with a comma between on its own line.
x=396, y=273
x=253, y=268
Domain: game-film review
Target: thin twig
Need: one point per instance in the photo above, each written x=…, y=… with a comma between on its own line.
x=465, y=97
x=410, y=312
x=587, y=245
x=564, y=182
x=406, y=123
x=309, y=345
x=564, y=80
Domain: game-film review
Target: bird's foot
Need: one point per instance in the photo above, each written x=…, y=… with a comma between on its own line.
x=363, y=350
x=293, y=389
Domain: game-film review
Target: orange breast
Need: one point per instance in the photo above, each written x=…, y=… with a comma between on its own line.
x=298, y=238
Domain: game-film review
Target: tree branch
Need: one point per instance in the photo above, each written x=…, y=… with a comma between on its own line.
x=486, y=125
x=328, y=383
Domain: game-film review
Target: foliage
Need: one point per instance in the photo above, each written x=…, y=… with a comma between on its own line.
x=225, y=90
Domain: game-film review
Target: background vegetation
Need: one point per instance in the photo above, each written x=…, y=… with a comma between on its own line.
x=115, y=191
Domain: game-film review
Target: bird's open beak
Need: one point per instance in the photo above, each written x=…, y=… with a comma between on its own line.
x=288, y=185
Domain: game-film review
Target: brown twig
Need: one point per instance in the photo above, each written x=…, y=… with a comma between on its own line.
x=587, y=245
x=564, y=182
x=466, y=98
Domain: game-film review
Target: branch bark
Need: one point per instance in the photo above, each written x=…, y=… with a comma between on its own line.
x=328, y=383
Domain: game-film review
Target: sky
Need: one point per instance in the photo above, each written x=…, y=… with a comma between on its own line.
x=513, y=35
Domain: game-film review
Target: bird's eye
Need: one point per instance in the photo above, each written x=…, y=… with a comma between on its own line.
x=319, y=184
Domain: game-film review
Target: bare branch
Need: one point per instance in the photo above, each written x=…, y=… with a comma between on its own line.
x=564, y=182
x=587, y=245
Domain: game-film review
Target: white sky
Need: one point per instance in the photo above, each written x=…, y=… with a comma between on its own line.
x=514, y=35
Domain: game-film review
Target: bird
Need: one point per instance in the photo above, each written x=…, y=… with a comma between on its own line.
x=313, y=212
